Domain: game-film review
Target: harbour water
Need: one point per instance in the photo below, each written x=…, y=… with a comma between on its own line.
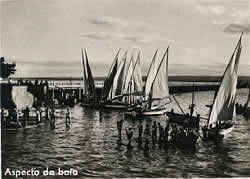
x=90, y=146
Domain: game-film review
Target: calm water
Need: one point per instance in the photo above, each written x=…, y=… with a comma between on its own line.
x=90, y=146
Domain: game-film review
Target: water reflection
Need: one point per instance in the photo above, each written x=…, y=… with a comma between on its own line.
x=91, y=146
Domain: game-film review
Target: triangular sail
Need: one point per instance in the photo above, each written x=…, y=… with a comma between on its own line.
x=134, y=91
x=223, y=105
x=91, y=82
x=118, y=79
x=151, y=75
x=128, y=74
x=138, y=75
x=110, y=78
x=160, y=92
x=85, y=78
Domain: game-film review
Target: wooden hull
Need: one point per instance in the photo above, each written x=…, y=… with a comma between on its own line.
x=218, y=133
x=154, y=112
x=138, y=112
x=115, y=106
x=181, y=119
x=226, y=131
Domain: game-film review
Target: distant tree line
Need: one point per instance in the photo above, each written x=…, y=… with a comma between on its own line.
x=7, y=69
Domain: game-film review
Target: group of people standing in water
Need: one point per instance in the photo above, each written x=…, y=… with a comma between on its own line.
x=171, y=134
x=52, y=117
x=11, y=119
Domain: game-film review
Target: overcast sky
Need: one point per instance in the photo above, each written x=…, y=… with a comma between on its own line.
x=44, y=37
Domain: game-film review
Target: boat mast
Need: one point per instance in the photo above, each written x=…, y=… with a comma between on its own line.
x=154, y=57
x=192, y=104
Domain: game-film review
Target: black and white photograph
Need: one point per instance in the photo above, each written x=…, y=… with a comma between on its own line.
x=125, y=89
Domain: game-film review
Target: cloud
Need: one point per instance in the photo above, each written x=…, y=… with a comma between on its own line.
x=130, y=37
x=99, y=22
x=116, y=36
x=108, y=21
x=224, y=12
x=211, y=10
x=97, y=36
x=236, y=28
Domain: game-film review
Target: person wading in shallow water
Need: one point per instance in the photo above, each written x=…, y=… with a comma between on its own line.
x=166, y=134
x=52, y=118
x=140, y=129
x=119, y=127
x=146, y=135
x=46, y=113
x=133, y=116
x=26, y=115
x=154, y=133
x=38, y=116
x=161, y=133
x=100, y=113
x=129, y=133
x=67, y=116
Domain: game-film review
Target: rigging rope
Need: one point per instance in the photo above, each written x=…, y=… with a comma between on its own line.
x=178, y=104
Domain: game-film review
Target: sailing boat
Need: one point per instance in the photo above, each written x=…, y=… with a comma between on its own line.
x=156, y=88
x=115, y=92
x=133, y=93
x=220, y=121
x=135, y=88
x=89, y=91
x=128, y=82
x=109, y=80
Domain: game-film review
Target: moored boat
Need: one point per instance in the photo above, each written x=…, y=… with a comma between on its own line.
x=220, y=122
x=185, y=119
x=156, y=87
x=89, y=98
x=114, y=99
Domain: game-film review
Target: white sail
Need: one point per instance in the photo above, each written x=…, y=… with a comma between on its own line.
x=151, y=75
x=224, y=102
x=128, y=75
x=137, y=79
x=108, y=83
x=85, y=90
x=138, y=75
x=160, y=91
x=116, y=89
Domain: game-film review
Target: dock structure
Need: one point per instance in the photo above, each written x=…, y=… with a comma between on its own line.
x=60, y=87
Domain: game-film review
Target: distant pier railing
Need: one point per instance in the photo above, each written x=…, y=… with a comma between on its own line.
x=174, y=81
